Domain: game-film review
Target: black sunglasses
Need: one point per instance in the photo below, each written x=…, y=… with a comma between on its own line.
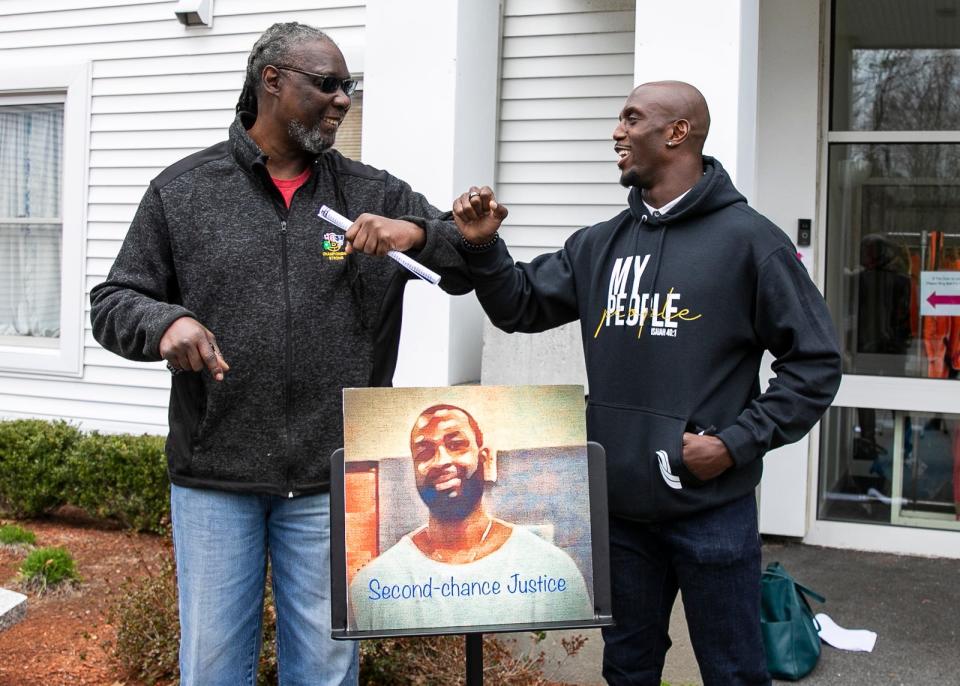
x=326, y=83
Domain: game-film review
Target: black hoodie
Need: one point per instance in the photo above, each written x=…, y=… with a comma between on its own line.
x=676, y=312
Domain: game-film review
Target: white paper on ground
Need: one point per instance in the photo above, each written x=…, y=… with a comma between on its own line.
x=845, y=639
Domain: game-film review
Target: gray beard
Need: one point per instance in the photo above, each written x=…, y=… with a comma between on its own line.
x=310, y=140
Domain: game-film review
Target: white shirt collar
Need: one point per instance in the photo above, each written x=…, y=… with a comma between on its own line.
x=659, y=211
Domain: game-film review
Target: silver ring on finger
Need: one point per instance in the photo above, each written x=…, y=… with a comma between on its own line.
x=473, y=195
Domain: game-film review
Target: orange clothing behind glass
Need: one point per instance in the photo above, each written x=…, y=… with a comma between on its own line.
x=937, y=331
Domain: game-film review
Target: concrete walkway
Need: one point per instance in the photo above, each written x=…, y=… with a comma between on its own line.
x=912, y=603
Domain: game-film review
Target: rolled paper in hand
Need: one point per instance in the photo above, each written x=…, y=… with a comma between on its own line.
x=403, y=260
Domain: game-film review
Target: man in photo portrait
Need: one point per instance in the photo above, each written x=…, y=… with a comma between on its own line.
x=464, y=566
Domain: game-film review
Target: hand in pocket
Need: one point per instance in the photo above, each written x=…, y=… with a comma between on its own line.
x=706, y=457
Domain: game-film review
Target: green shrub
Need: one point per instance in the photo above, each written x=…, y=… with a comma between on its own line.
x=148, y=628
x=33, y=475
x=48, y=568
x=121, y=477
x=10, y=534
x=47, y=464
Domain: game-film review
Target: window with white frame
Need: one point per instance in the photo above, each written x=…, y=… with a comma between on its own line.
x=44, y=128
x=31, y=154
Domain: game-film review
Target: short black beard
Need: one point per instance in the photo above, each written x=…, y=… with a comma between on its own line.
x=629, y=179
x=448, y=509
x=310, y=140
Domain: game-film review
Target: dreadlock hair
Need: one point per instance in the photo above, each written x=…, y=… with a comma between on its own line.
x=273, y=47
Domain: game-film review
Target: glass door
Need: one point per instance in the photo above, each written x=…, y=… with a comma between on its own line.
x=890, y=451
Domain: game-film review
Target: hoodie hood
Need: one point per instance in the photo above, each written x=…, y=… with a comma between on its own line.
x=712, y=192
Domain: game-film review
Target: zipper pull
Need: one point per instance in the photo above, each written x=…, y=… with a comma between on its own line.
x=283, y=226
x=290, y=494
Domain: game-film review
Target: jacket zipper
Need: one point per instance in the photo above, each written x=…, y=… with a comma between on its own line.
x=288, y=356
x=282, y=213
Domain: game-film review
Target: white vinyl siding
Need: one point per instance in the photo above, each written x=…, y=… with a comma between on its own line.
x=567, y=67
x=158, y=91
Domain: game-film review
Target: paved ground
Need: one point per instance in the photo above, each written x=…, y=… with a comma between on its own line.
x=913, y=604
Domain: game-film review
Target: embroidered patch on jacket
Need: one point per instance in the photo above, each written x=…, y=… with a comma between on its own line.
x=333, y=245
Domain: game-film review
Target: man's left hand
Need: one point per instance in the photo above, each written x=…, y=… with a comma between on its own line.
x=376, y=235
x=706, y=457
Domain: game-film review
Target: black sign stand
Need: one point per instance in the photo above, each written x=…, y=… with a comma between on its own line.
x=474, y=644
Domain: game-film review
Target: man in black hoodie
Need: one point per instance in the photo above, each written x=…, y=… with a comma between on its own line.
x=227, y=260
x=678, y=297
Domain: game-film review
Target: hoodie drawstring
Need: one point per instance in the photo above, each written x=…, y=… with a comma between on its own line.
x=656, y=268
x=659, y=258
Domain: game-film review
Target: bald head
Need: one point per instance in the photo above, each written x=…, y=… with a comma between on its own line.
x=678, y=100
x=659, y=139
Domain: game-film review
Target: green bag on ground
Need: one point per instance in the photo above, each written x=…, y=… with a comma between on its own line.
x=786, y=620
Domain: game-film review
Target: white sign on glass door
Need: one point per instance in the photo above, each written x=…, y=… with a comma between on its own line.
x=940, y=294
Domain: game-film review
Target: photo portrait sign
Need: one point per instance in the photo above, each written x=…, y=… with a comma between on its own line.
x=467, y=509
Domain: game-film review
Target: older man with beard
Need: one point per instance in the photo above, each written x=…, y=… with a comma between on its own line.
x=464, y=567
x=226, y=259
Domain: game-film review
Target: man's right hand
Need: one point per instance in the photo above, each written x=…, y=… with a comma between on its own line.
x=478, y=214
x=189, y=345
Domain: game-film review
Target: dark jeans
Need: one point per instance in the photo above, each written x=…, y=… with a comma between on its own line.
x=713, y=558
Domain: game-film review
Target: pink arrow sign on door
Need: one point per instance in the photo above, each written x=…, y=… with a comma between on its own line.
x=935, y=299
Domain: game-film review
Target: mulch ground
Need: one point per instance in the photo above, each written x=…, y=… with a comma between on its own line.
x=66, y=636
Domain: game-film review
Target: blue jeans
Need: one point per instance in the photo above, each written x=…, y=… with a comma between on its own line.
x=713, y=558
x=221, y=541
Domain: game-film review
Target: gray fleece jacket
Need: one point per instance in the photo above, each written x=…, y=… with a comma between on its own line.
x=295, y=319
